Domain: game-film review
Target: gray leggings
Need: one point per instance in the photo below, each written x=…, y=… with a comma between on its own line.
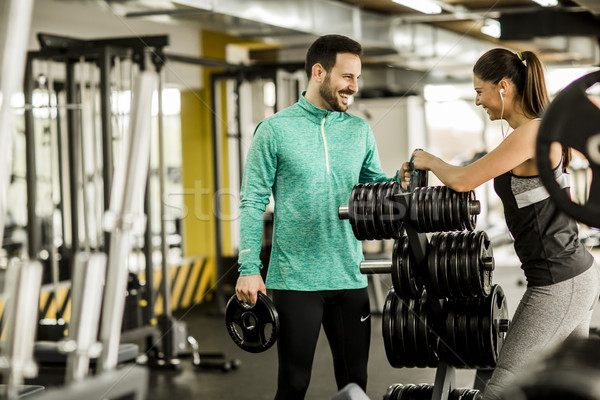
x=546, y=316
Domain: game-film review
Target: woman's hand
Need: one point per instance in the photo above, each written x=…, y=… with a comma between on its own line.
x=422, y=160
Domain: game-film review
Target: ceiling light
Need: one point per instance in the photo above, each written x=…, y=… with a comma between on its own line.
x=491, y=27
x=547, y=3
x=424, y=6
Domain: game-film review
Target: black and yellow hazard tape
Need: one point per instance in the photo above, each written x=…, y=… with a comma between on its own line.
x=191, y=283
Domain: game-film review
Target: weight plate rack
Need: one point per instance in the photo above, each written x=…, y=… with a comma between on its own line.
x=442, y=310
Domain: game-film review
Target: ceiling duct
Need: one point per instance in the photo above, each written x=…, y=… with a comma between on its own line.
x=293, y=24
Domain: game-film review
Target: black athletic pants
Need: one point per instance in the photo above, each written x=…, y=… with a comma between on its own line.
x=346, y=321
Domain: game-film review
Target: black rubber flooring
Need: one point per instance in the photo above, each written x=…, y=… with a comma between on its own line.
x=257, y=374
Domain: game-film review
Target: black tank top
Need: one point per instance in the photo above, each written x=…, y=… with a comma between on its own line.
x=546, y=239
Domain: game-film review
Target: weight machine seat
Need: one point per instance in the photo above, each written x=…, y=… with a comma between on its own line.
x=46, y=353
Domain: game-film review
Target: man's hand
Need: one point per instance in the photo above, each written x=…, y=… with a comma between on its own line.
x=247, y=288
x=405, y=173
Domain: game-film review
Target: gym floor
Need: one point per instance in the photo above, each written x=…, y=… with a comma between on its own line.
x=256, y=377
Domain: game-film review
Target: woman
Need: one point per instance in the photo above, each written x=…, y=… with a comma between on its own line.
x=562, y=285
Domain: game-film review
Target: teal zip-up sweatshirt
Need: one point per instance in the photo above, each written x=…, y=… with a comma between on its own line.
x=310, y=159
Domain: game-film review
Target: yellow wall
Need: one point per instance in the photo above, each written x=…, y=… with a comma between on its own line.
x=199, y=222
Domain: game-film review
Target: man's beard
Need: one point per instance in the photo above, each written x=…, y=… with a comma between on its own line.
x=330, y=96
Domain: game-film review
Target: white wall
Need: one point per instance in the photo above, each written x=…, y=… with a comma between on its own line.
x=90, y=20
x=398, y=126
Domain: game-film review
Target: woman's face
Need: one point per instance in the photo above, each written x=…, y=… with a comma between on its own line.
x=488, y=96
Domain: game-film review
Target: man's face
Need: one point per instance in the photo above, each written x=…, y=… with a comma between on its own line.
x=341, y=82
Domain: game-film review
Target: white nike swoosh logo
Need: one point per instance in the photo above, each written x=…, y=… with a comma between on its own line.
x=363, y=319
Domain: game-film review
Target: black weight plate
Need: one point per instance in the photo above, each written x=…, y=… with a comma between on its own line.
x=396, y=271
x=472, y=218
x=488, y=321
x=413, y=331
x=464, y=267
x=475, y=271
x=435, y=208
x=427, y=209
x=387, y=208
x=441, y=224
x=463, y=326
x=445, y=244
x=409, y=349
x=485, y=356
x=386, y=219
x=428, y=342
x=413, y=286
x=488, y=356
x=398, y=210
x=423, y=209
x=387, y=325
x=449, y=210
x=414, y=210
x=246, y=324
x=432, y=337
x=352, y=211
x=400, y=342
x=476, y=268
x=472, y=333
x=358, y=217
x=456, y=211
x=442, y=207
x=486, y=275
x=421, y=333
x=457, y=207
x=418, y=224
x=453, y=264
x=377, y=216
x=572, y=120
x=433, y=260
x=451, y=272
x=450, y=336
x=362, y=211
x=389, y=391
x=464, y=210
x=499, y=312
x=463, y=260
x=368, y=207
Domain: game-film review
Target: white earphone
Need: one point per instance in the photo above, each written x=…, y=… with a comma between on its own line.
x=502, y=113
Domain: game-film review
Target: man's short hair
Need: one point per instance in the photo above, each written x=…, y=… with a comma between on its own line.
x=325, y=49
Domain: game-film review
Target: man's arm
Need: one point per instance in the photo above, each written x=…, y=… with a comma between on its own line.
x=259, y=175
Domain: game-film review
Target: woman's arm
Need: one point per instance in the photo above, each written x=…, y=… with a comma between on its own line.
x=513, y=151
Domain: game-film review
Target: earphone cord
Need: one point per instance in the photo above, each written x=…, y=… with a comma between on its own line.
x=501, y=119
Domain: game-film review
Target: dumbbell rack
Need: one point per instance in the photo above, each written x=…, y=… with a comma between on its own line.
x=389, y=208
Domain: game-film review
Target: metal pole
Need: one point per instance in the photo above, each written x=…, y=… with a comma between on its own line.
x=376, y=267
x=74, y=154
x=131, y=177
x=23, y=283
x=14, y=33
x=104, y=62
x=217, y=203
x=86, y=299
x=33, y=231
x=166, y=287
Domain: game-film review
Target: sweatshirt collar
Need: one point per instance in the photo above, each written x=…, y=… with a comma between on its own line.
x=315, y=113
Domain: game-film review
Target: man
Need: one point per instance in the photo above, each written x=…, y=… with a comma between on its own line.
x=310, y=155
